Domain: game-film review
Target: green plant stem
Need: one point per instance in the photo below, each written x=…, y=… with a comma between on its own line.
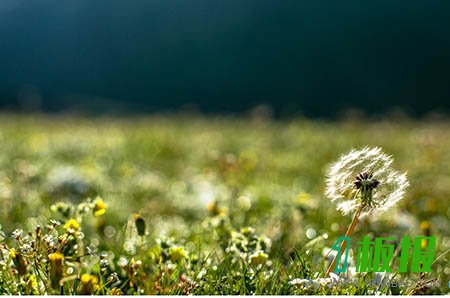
x=350, y=230
x=141, y=248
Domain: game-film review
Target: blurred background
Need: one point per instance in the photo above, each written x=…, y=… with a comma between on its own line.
x=313, y=58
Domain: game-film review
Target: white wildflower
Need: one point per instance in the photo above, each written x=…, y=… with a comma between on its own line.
x=26, y=248
x=365, y=177
x=104, y=263
x=305, y=283
x=49, y=240
x=16, y=234
x=331, y=281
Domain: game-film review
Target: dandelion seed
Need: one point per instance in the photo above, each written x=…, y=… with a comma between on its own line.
x=244, y=202
x=129, y=247
x=365, y=177
x=123, y=262
x=311, y=233
x=109, y=231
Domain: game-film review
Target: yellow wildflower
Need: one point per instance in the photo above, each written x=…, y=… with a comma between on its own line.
x=72, y=226
x=32, y=286
x=56, y=268
x=115, y=292
x=258, y=258
x=19, y=261
x=214, y=209
x=88, y=283
x=99, y=207
x=177, y=253
x=425, y=227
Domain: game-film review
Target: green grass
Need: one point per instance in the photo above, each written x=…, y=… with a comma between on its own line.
x=200, y=183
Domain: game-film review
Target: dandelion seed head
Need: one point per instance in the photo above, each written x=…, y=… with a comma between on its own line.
x=123, y=262
x=346, y=175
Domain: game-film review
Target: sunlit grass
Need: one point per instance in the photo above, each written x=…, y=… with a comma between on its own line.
x=231, y=205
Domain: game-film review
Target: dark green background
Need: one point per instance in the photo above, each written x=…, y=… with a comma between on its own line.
x=318, y=57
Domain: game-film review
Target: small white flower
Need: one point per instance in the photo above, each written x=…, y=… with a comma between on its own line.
x=55, y=222
x=368, y=169
x=26, y=248
x=331, y=281
x=49, y=240
x=305, y=283
x=113, y=277
x=104, y=263
x=16, y=234
x=298, y=281
x=334, y=278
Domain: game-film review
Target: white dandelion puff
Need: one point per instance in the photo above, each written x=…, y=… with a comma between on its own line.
x=364, y=178
x=363, y=182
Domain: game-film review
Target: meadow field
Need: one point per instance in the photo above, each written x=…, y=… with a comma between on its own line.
x=181, y=204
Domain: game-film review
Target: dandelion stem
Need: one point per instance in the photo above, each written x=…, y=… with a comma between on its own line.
x=141, y=247
x=350, y=230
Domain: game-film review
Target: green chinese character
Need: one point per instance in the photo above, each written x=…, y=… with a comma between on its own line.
x=364, y=255
x=404, y=255
x=423, y=257
x=383, y=254
x=338, y=245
